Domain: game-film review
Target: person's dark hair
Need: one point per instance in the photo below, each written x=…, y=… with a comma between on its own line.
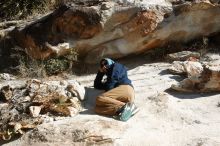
x=103, y=62
x=107, y=62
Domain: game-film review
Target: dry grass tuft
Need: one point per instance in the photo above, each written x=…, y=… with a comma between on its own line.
x=20, y=9
x=31, y=68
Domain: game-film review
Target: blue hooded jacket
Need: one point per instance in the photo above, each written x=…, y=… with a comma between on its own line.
x=116, y=75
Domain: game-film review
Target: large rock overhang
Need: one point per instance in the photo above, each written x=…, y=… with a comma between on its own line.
x=110, y=29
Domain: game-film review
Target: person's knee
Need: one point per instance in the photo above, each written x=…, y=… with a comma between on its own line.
x=97, y=111
x=99, y=100
x=132, y=98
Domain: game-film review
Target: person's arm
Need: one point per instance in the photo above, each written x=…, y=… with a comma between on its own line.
x=113, y=81
x=119, y=71
x=98, y=81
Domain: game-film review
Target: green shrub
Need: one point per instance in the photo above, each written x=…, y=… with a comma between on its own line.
x=56, y=65
x=39, y=69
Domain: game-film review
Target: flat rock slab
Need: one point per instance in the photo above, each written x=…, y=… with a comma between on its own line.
x=165, y=117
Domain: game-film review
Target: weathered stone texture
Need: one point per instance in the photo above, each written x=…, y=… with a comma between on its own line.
x=116, y=29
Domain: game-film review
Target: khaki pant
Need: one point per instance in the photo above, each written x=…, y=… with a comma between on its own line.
x=109, y=102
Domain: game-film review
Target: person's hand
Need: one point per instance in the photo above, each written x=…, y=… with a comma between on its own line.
x=101, y=70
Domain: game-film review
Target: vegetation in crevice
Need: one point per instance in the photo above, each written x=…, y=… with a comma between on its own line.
x=56, y=65
x=29, y=67
x=20, y=9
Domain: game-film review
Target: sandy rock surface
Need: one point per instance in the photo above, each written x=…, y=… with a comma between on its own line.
x=165, y=118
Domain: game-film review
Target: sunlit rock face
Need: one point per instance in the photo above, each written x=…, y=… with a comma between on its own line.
x=117, y=28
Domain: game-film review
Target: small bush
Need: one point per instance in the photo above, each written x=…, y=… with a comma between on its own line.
x=56, y=65
x=17, y=9
x=31, y=68
x=20, y=8
x=40, y=69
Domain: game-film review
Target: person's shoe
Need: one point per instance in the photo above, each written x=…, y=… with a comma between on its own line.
x=127, y=111
x=134, y=109
x=120, y=110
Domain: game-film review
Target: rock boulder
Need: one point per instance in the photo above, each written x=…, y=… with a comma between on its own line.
x=117, y=28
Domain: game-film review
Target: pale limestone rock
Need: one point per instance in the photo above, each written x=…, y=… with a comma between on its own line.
x=119, y=28
x=52, y=97
x=205, y=79
x=17, y=128
x=5, y=76
x=26, y=99
x=175, y=117
x=61, y=88
x=73, y=111
x=46, y=118
x=76, y=103
x=183, y=56
x=75, y=88
x=34, y=111
x=191, y=68
x=177, y=67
